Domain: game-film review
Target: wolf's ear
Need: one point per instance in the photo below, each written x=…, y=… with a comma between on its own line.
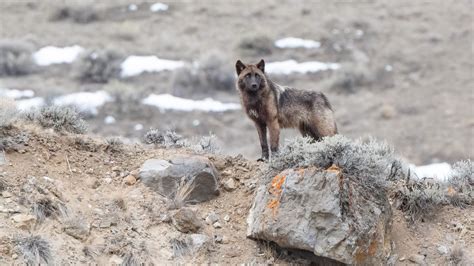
x=261, y=65
x=239, y=66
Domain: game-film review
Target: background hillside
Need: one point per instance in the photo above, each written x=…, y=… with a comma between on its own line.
x=405, y=67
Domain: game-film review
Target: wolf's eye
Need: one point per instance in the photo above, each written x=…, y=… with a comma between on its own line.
x=247, y=76
x=257, y=76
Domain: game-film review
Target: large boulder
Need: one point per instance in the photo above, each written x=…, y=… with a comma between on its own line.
x=323, y=212
x=196, y=173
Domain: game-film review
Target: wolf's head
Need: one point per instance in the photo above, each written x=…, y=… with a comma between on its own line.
x=251, y=77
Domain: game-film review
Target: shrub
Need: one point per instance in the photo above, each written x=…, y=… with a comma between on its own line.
x=206, y=144
x=82, y=15
x=34, y=249
x=256, y=45
x=99, y=66
x=372, y=162
x=16, y=58
x=13, y=140
x=45, y=208
x=213, y=73
x=8, y=113
x=461, y=181
x=127, y=99
x=60, y=118
x=168, y=139
x=114, y=144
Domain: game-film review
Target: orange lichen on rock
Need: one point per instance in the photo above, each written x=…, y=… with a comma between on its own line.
x=276, y=190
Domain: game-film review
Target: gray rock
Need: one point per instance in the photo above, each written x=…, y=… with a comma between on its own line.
x=196, y=241
x=325, y=213
x=217, y=225
x=229, y=184
x=3, y=160
x=77, y=231
x=186, y=220
x=212, y=217
x=418, y=259
x=442, y=249
x=166, y=176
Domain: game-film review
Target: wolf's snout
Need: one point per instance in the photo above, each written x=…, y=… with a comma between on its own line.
x=254, y=86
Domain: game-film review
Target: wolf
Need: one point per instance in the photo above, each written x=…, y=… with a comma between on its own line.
x=273, y=106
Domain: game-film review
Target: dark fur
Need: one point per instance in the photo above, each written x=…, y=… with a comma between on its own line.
x=274, y=107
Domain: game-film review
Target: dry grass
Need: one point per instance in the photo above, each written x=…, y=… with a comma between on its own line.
x=59, y=118
x=16, y=58
x=34, y=249
x=8, y=113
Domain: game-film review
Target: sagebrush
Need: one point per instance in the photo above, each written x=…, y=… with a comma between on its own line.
x=34, y=249
x=16, y=58
x=99, y=66
x=59, y=118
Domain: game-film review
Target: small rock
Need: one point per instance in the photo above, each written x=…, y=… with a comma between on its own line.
x=135, y=173
x=402, y=258
x=14, y=256
x=388, y=111
x=419, y=259
x=197, y=241
x=130, y=180
x=108, y=180
x=6, y=194
x=89, y=171
x=186, y=220
x=23, y=221
x=217, y=225
x=218, y=238
x=212, y=217
x=115, y=260
x=116, y=169
x=443, y=250
x=229, y=184
x=78, y=232
x=227, y=218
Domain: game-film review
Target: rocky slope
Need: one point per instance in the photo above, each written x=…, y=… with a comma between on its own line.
x=78, y=199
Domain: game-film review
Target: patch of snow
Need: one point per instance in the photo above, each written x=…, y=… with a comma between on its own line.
x=138, y=127
x=136, y=65
x=57, y=55
x=28, y=104
x=16, y=94
x=86, y=102
x=438, y=171
x=132, y=7
x=168, y=101
x=196, y=122
x=158, y=7
x=359, y=33
x=388, y=68
x=291, y=66
x=109, y=119
x=292, y=42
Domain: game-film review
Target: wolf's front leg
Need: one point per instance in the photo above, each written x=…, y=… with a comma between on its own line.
x=274, y=128
x=262, y=134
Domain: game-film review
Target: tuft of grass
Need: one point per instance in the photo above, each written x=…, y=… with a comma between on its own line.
x=168, y=138
x=59, y=118
x=180, y=198
x=212, y=74
x=45, y=208
x=114, y=144
x=206, y=144
x=180, y=248
x=8, y=113
x=81, y=15
x=34, y=249
x=99, y=66
x=13, y=141
x=256, y=45
x=456, y=255
x=418, y=199
x=16, y=58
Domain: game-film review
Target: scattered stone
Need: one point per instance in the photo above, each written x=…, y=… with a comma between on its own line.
x=186, y=220
x=229, y=184
x=107, y=222
x=108, y=180
x=443, y=250
x=78, y=232
x=212, y=217
x=196, y=241
x=388, y=111
x=89, y=171
x=217, y=225
x=417, y=258
x=351, y=222
x=402, y=258
x=166, y=176
x=115, y=260
x=14, y=256
x=23, y=221
x=227, y=218
x=130, y=180
x=218, y=239
x=6, y=194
